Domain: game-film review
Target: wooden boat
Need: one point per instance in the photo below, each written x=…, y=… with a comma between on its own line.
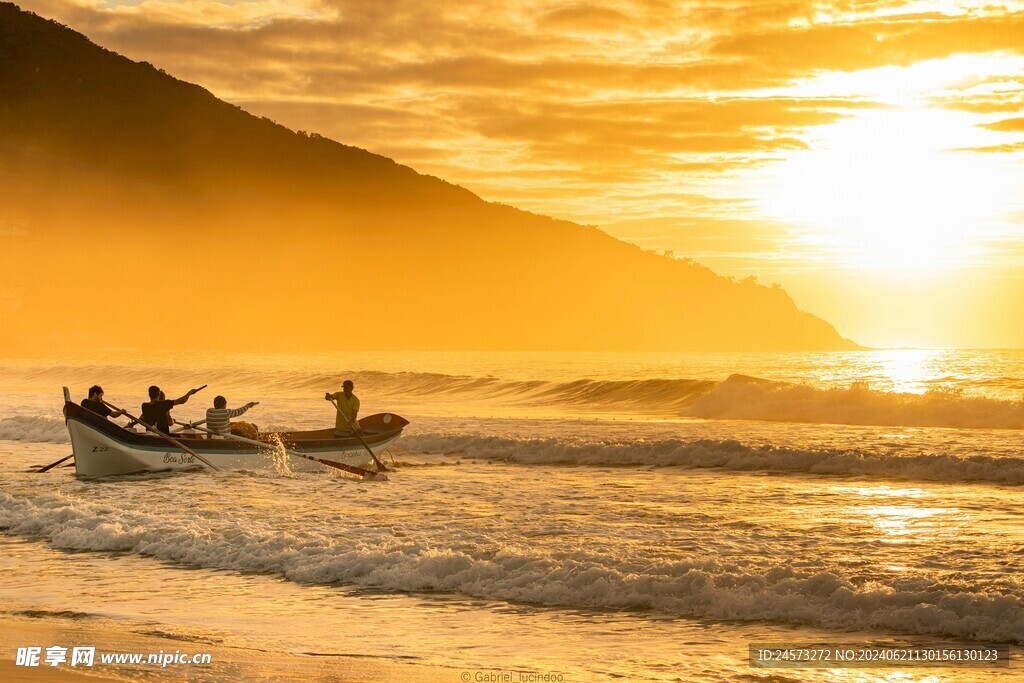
x=103, y=448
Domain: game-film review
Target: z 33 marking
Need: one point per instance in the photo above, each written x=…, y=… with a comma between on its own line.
x=99, y=449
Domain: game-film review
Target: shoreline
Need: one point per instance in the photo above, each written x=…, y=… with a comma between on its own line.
x=226, y=662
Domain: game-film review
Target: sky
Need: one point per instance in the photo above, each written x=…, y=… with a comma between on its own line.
x=867, y=156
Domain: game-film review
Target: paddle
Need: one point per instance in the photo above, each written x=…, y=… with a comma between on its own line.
x=188, y=425
x=54, y=464
x=355, y=430
x=165, y=436
x=351, y=469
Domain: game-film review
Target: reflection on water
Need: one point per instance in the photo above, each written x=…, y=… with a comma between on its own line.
x=903, y=520
x=909, y=370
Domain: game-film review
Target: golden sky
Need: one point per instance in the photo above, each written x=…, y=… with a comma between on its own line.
x=867, y=156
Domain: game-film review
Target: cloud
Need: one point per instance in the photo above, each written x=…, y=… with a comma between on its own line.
x=871, y=44
x=1006, y=148
x=585, y=18
x=1007, y=125
x=985, y=104
x=607, y=112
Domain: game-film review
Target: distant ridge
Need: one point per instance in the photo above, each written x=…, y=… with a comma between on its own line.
x=143, y=209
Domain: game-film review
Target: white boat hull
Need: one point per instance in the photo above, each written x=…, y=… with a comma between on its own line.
x=108, y=451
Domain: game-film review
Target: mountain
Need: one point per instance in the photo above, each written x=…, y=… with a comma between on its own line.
x=140, y=210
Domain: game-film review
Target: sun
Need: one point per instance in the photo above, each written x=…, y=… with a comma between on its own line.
x=891, y=188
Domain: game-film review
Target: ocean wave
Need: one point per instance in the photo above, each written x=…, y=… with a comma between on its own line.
x=726, y=454
x=694, y=587
x=33, y=428
x=737, y=397
x=751, y=398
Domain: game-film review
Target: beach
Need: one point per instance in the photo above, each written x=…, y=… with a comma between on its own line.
x=227, y=663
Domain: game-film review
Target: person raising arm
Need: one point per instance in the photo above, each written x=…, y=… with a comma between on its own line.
x=218, y=418
x=157, y=413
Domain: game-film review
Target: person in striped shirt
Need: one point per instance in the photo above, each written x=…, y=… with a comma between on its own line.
x=218, y=418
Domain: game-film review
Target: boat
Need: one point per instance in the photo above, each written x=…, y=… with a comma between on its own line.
x=103, y=448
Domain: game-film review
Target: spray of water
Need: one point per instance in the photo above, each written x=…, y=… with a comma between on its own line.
x=282, y=461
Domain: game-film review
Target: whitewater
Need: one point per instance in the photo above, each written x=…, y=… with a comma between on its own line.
x=550, y=512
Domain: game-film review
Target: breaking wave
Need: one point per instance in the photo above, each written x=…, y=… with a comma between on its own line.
x=694, y=587
x=737, y=397
x=725, y=454
x=750, y=398
x=34, y=428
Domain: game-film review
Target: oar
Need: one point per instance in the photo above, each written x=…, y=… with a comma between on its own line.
x=355, y=430
x=351, y=469
x=189, y=425
x=165, y=436
x=54, y=464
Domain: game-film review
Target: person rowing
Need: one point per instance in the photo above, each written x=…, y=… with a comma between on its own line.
x=218, y=418
x=345, y=423
x=157, y=413
x=96, y=405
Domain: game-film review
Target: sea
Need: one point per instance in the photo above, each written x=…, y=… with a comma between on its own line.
x=585, y=517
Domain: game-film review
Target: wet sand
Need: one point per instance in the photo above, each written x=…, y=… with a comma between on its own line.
x=236, y=663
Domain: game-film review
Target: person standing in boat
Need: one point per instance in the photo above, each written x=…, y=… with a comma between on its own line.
x=348, y=404
x=95, y=403
x=157, y=413
x=218, y=418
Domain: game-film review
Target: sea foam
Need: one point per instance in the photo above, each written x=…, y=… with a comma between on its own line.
x=686, y=586
x=33, y=428
x=726, y=454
